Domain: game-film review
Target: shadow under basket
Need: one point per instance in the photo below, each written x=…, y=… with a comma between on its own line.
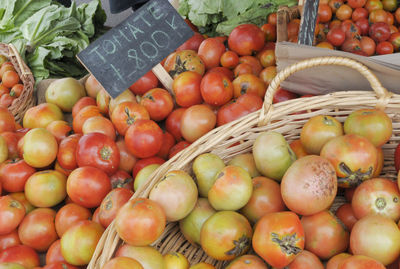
x=27, y=99
x=238, y=137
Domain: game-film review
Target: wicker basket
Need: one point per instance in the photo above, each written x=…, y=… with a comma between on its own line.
x=20, y=105
x=279, y=117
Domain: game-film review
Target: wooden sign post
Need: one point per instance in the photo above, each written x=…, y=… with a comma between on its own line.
x=135, y=46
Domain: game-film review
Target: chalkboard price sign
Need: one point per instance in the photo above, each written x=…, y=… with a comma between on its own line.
x=132, y=48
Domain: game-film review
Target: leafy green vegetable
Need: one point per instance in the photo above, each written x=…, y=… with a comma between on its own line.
x=220, y=17
x=49, y=35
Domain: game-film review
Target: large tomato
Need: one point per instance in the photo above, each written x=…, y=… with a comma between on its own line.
x=145, y=83
x=87, y=186
x=353, y=157
x=122, y=263
x=126, y=113
x=336, y=36
x=173, y=122
x=98, y=150
x=9, y=240
x=377, y=237
x=373, y=124
x=186, y=87
x=12, y=213
x=140, y=222
x=110, y=205
x=278, y=238
x=266, y=198
x=66, y=155
x=248, y=83
x=37, y=230
x=377, y=196
x=40, y=148
x=46, y=188
x=182, y=61
x=216, y=89
x=99, y=124
x=23, y=255
x=247, y=261
x=158, y=102
x=309, y=185
x=147, y=256
x=318, y=131
x=360, y=262
x=226, y=235
x=325, y=236
x=306, y=260
x=210, y=51
x=68, y=215
x=41, y=115
x=196, y=121
x=14, y=174
x=144, y=138
x=125, y=96
x=379, y=31
x=246, y=39
x=79, y=242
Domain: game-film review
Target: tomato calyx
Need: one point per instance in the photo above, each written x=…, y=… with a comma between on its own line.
x=150, y=97
x=353, y=178
x=130, y=120
x=380, y=203
x=109, y=204
x=121, y=184
x=105, y=153
x=179, y=67
x=328, y=121
x=243, y=88
x=287, y=243
x=241, y=246
x=15, y=204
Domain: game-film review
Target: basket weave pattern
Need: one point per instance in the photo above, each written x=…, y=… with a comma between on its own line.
x=21, y=104
x=238, y=137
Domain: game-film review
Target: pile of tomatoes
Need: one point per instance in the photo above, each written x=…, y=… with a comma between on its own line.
x=10, y=85
x=364, y=27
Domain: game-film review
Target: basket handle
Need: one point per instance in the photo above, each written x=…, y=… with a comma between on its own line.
x=267, y=108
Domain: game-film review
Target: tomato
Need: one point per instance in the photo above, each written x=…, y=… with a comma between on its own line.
x=84, y=114
x=122, y=263
x=344, y=12
x=246, y=39
x=229, y=59
x=7, y=122
x=46, y=188
x=7, y=66
x=395, y=40
x=92, y=86
x=59, y=129
x=266, y=198
x=83, y=102
x=10, y=78
x=121, y=179
x=324, y=235
x=269, y=31
x=353, y=157
x=148, y=257
x=140, y=164
x=14, y=174
x=222, y=70
x=182, y=61
x=69, y=215
x=140, y=222
x=175, y=260
x=283, y=95
x=350, y=29
x=390, y=19
x=389, y=5
x=66, y=155
x=87, y=186
x=126, y=114
x=41, y=115
x=226, y=235
x=53, y=254
x=202, y=265
x=248, y=83
x=158, y=102
x=196, y=121
x=37, y=230
x=147, y=82
x=242, y=68
x=9, y=240
x=378, y=15
x=384, y=47
x=267, y=74
x=360, y=262
x=216, y=89
x=336, y=37
x=23, y=255
x=368, y=45
x=125, y=96
x=309, y=185
x=79, y=242
x=143, y=176
x=335, y=261
x=397, y=158
x=12, y=213
x=144, y=138
x=305, y=260
x=372, y=5
x=168, y=141
x=317, y=131
x=293, y=28
x=95, y=217
x=99, y=124
x=267, y=58
x=379, y=31
x=103, y=101
x=359, y=13
x=356, y=3
x=324, y=13
x=278, y=238
x=247, y=261
x=59, y=265
x=254, y=62
x=110, y=205
x=397, y=15
x=127, y=160
x=186, y=87
x=177, y=148
x=210, y=51
x=20, y=197
x=192, y=43
x=346, y=215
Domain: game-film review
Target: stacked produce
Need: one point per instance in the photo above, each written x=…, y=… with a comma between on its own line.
x=11, y=86
x=364, y=27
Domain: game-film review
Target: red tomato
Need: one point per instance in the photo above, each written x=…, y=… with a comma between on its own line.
x=293, y=28
x=379, y=31
x=9, y=240
x=20, y=197
x=222, y=70
x=378, y=15
x=66, y=155
x=283, y=95
x=121, y=179
x=255, y=64
x=158, y=102
x=229, y=59
x=210, y=51
x=356, y=3
x=84, y=114
x=246, y=39
x=186, y=87
x=298, y=148
x=242, y=68
x=359, y=13
x=346, y=214
x=384, y=47
x=12, y=213
x=306, y=260
x=10, y=78
x=83, y=102
x=395, y=40
x=59, y=129
x=11, y=139
x=142, y=85
x=14, y=174
x=126, y=159
x=177, y=148
x=53, y=254
x=324, y=13
x=145, y=162
x=127, y=113
x=368, y=45
x=23, y=255
x=360, y=262
x=7, y=122
x=144, y=138
x=69, y=215
x=197, y=121
x=38, y=230
x=192, y=43
x=336, y=37
x=216, y=89
x=269, y=31
x=335, y=261
x=173, y=123
x=278, y=238
x=350, y=29
x=167, y=143
x=140, y=222
x=344, y=12
x=267, y=58
x=110, y=205
x=87, y=186
x=248, y=83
